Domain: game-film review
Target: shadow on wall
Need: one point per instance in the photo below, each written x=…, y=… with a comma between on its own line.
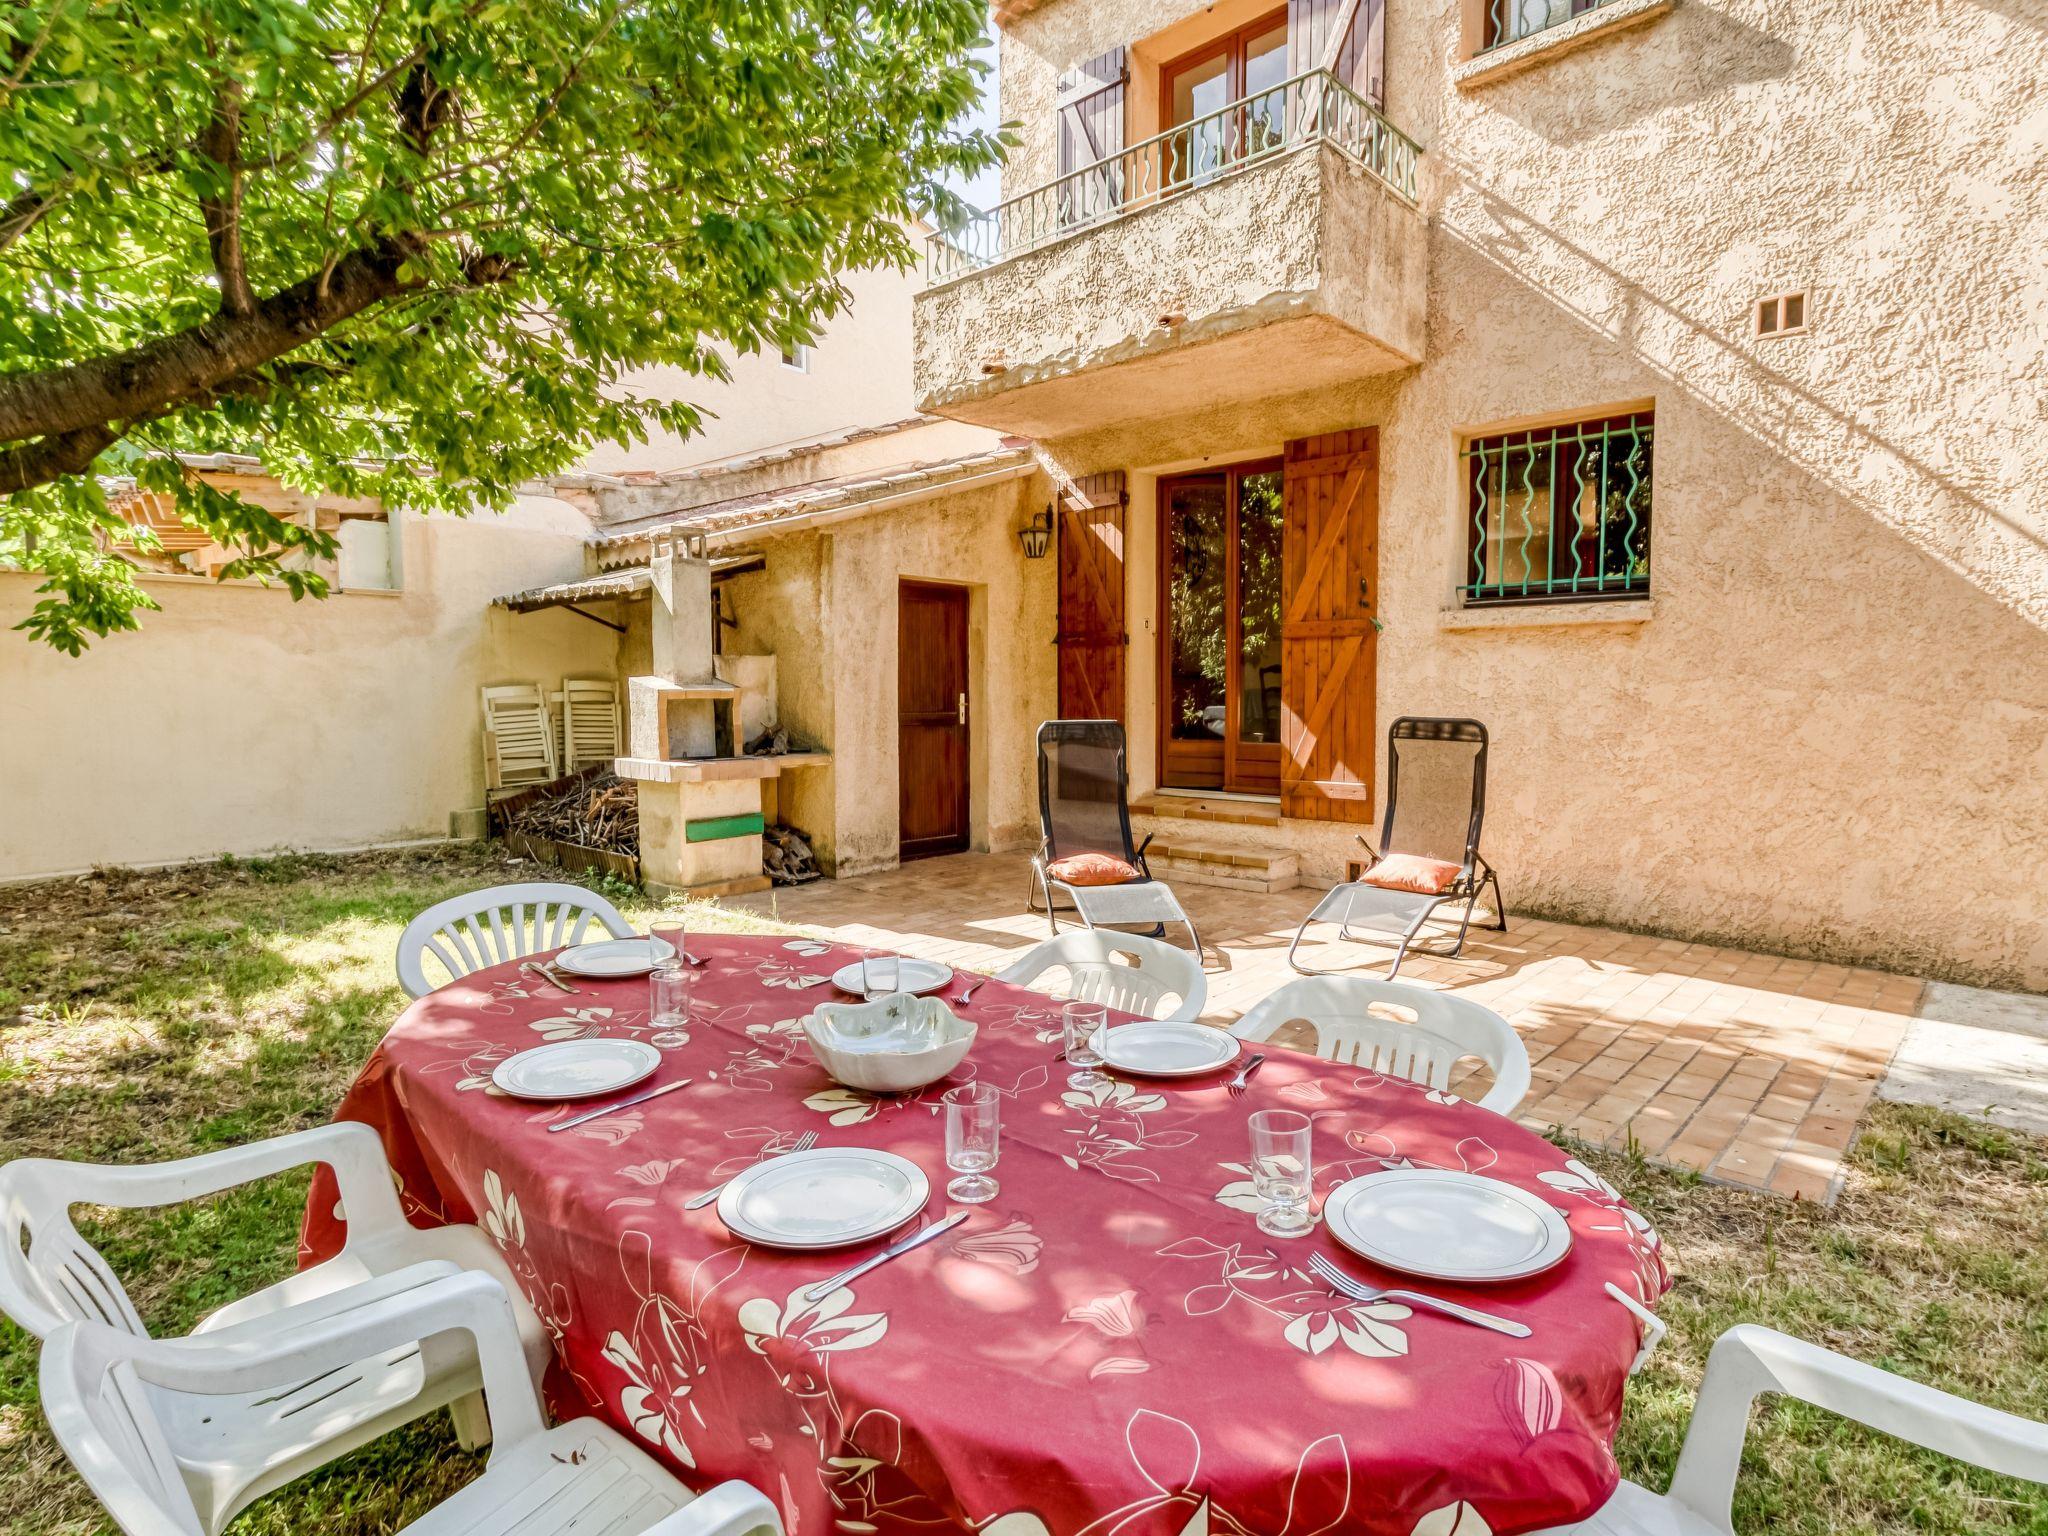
x=1705, y=53
x=1854, y=716
x=1792, y=422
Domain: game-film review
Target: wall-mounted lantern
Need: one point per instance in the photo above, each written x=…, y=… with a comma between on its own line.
x=1036, y=536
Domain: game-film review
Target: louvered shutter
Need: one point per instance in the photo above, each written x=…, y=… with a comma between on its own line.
x=1089, y=103
x=1092, y=638
x=1361, y=64
x=1329, y=584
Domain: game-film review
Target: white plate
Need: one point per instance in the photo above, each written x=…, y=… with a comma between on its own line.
x=1166, y=1050
x=1447, y=1226
x=615, y=957
x=575, y=1069
x=827, y=1197
x=915, y=976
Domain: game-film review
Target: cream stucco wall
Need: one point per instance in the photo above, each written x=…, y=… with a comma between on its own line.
x=238, y=721
x=859, y=375
x=1832, y=734
x=826, y=607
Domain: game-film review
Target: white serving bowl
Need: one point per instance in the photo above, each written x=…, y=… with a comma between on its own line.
x=891, y=1044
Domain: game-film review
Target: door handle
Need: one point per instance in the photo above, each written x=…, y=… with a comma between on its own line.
x=963, y=709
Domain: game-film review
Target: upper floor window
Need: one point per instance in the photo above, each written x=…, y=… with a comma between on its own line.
x=1509, y=21
x=1559, y=512
x=1238, y=67
x=797, y=355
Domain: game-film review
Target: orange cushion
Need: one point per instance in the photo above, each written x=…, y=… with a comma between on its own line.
x=1092, y=869
x=1411, y=872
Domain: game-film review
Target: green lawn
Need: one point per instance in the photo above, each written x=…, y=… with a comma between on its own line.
x=152, y=1016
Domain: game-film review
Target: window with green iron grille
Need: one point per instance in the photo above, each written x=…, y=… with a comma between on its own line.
x=1559, y=513
x=1509, y=21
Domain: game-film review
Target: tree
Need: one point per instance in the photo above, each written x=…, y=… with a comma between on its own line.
x=406, y=248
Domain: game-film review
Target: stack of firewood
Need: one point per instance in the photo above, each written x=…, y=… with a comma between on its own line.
x=787, y=858
x=600, y=811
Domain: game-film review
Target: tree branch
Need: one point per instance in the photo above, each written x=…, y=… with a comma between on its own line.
x=49, y=458
x=221, y=204
x=197, y=362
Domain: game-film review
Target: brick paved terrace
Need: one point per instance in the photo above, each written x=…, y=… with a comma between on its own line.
x=1751, y=1069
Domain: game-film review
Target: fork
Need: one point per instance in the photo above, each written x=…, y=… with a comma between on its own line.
x=969, y=992
x=804, y=1143
x=1244, y=1073
x=1358, y=1290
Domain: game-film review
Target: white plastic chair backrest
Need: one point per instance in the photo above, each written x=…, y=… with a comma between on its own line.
x=103, y=1416
x=483, y=928
x=1122, y=971
x=590, y=721
x=1747, y=1361
x=49, y=1274
x=1402, y=1031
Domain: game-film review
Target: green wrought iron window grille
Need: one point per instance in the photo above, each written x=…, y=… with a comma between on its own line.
x=1560, y=513
x=1509, y=21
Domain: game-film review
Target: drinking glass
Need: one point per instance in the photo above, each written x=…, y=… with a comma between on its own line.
x=1082, y=1021
x=974, y=1130
x=668, y=996
x=669, y=931
x=880, y=973
x=1282, y=1171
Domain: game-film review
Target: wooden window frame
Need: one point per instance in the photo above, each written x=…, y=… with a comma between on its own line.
x=1233, y=779
x=1232, y=43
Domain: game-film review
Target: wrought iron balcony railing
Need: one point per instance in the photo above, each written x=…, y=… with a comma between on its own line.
x=1311, y=108
x=1509, y=21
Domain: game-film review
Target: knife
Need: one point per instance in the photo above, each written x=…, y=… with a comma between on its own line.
x=610, y=1109
x=825, y=1288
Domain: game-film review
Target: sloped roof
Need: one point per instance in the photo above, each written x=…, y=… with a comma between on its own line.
x=843, y=491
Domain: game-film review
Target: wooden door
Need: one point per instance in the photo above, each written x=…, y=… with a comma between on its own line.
x=1328, y=592
x=932, y=726
x=1092, y=639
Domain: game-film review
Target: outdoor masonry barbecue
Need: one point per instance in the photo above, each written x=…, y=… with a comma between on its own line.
x=701, y=800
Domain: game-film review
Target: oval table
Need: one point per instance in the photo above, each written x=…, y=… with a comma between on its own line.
x=1103, y=1347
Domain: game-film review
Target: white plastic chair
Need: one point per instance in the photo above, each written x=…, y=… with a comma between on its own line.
x=518, y=738
x=1130, y=974
x=128, y=1412
x=480, y=928
x=50, y=1277
x=590, y=722
x=1400, y=1030
x=1748, y=1361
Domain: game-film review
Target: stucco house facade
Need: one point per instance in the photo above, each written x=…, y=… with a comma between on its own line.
x=1660, y=382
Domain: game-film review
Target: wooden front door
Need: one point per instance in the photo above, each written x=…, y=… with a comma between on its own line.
x=931, y=719
x=1219, y=625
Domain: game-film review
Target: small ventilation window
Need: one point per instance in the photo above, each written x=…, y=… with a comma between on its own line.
x=1782, y=314
x=798, y=356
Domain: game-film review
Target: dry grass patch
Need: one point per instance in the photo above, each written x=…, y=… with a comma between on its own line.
x=154, y=1016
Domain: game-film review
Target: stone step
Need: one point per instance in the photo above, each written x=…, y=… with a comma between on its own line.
x=1224, y=809
x=1178, y=859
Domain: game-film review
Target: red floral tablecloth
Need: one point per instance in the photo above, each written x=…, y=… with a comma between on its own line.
x=1105, y=1345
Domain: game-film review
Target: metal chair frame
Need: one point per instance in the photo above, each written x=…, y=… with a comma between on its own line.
x=1474, y=873
x=1044, y=885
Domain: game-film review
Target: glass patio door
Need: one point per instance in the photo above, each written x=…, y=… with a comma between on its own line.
x=1195, y=88
x=1219, y=626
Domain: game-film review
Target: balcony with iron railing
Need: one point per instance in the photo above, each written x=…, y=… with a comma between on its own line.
x=1283, y=224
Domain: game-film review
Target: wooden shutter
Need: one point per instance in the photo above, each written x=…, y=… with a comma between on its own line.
x=1092, y=639
x=1361, y=63
x=1329, y=586
x=1089, y=104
